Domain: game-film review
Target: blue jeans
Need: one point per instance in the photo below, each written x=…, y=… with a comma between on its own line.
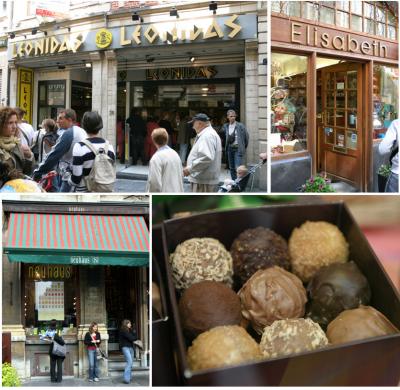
x=128, y=353
x=93, y=365
x=234, y=160
x=392, y=184
x=183, y=151
x=65, y=187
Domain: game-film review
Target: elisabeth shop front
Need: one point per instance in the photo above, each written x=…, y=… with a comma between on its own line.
x=334, y=91
x=87, y=261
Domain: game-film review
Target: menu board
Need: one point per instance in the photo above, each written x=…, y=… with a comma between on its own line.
x=49, y=298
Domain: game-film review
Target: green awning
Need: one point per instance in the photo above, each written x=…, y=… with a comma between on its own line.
x=77, y=239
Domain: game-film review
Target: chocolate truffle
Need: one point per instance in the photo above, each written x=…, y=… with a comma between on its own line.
x=201, y=259
x=256, y=249
x=222, y=346
x=335, y=288
x=272, y=294
x=286, y=337
x=358, y=324
x=208, y=304
x=314, y=245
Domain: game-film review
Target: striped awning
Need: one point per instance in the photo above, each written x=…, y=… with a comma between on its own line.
x=77, y=239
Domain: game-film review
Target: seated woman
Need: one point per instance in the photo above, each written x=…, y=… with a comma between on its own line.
x=11, y=152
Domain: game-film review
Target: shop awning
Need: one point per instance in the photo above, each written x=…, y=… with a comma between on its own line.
x=77, y=239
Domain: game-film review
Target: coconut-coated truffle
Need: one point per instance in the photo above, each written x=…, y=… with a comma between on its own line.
x=222, y=346
x=335, y=288
x=199, y=259
x=272, y=294
x=358, y=324
x=256, y=249
x=208, y=304
x=287, y=337
x=314, y=245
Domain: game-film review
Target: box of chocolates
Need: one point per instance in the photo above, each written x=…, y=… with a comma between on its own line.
x=279, y=295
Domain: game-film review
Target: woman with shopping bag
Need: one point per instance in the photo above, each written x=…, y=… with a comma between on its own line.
x=92, y=341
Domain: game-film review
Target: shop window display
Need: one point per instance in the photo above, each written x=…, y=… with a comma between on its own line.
x=288, y=103
x=385, y=98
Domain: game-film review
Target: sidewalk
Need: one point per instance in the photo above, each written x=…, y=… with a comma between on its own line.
x=140, y=378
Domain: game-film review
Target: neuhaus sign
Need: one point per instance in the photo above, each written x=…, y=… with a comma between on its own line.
x=209, y=29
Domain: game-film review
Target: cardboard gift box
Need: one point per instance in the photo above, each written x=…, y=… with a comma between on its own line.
x=374, y=361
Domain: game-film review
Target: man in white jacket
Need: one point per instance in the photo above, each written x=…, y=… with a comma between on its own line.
x=204, y=161
x=389, y=144
x=165, y=167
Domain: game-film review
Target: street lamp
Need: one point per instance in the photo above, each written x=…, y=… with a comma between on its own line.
x=174, y=12
x=213, y=6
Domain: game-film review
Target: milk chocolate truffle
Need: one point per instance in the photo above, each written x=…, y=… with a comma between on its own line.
x=208, y=304
x=286, y=337
x=256, y=249
x=335, y=288
x=201, y=259
x=358, y=324
x=272, y=294
x=314, y=245
x=222, y=346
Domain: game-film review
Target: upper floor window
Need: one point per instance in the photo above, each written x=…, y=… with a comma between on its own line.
x=363, y=16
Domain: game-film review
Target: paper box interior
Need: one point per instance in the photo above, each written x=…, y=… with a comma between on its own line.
x=374, y=361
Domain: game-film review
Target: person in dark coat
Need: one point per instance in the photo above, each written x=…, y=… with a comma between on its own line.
x=92, y=341
x=55, y=360
x=126, y=339
x=138, y=132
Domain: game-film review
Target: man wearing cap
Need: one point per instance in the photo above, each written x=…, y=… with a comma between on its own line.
x=204, y=160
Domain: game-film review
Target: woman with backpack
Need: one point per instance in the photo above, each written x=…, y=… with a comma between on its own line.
x=93, y=162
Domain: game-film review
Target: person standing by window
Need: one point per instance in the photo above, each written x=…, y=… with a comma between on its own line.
x=390, y=144
x=92, y=341
x=126, y=339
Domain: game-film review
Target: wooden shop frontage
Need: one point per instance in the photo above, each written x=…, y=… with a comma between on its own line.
x=334, y=91
x=76, y=263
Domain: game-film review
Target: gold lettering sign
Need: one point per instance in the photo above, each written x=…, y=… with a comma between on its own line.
x=346, y=42
x=181, y=73
x=45, y=271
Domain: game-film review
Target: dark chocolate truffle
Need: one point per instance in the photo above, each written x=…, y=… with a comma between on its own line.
x=222, y=346
x=256, y=249
x=208, y=304
x=286, y=337
x=335, y=288
x=201, y=259
x=358, y=324
x=315, y=245
x=272, y=294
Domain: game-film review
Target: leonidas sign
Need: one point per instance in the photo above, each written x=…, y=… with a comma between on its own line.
x=322, y=37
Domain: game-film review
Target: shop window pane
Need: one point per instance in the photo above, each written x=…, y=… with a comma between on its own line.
x=310, y=11
x=329, y=4
x=327, y=15
x=381, y=29
x=344, y=5
x=330, y=102
x=385, y=97
x=330, y=117
x=351, y=141
x=352, y=99
x=352, y=80
x=340, y=119
x=369, y=11
x=380, y=15
x=369, y=26
x=392, y=32
x=289, y=103
x=340, y=99
x=352, y=118
x=356, y=23
x=340, y=141
x=356, y=7
x=391, y=18
x=342, y=19
x=293, y=8
x=276, y=6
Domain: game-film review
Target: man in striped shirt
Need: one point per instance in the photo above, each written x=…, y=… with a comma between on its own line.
x=83, y=157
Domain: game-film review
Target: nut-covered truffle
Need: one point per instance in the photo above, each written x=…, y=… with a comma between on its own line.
x=358, y=324
x=286, y=337
x=222, y=346
x=256, y=249
x=201, y=259
x=314, y=245
x=208, y=304
x=335, y=288
x=272, y=294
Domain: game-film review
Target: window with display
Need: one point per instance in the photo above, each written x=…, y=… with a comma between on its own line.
x=385, y=98
x=369, y=17
x=49, y=292
x=288, y=103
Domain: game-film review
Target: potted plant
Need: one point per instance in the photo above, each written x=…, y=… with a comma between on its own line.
x=9, y=376
x=317, y=183
x=383, y=175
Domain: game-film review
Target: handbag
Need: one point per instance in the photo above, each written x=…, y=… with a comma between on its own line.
x=100, y=354
x=58, y=349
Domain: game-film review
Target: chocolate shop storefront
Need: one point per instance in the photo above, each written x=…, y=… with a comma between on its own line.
x=76, y=263
x=334, y=91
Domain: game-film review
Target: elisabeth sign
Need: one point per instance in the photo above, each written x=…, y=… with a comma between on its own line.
x=209, y=29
